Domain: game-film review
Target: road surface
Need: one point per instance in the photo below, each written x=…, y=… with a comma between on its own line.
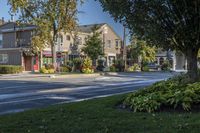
x=19, y=94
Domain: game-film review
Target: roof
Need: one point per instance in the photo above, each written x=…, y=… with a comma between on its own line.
x=88, y=28
x=12, y=26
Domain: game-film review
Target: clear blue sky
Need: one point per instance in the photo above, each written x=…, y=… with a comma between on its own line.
x=92, y=13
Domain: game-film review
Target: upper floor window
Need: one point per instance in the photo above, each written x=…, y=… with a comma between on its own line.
x=68, y=37
x=3, y=58
x=117, y=43
x=109, y=43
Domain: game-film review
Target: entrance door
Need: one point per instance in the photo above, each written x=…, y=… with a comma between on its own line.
x=28, y=63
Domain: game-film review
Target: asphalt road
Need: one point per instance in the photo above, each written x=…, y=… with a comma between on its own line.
x=18, y=94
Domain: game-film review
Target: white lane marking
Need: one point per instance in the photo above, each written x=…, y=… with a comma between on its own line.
x=72, y=98
x=49, y=91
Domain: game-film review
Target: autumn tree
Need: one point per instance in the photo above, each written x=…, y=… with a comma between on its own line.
x=170, y=24
x=139, y=49
x=51, y=17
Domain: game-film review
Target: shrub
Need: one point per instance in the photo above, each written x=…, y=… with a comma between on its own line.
x=47, y=70
x=146, y=69
x=49, y=66
x=134, y=68
x=100, y=66
x=113, y=68
x=65, y=69
x=174, y=93
x=119, y=65
x=44, y=70
x=87, y=66
x=10, y=69
x=77, y=64
x=166, y=66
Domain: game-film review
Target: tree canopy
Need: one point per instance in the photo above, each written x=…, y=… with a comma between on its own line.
x=170, y=24
x=139, y=49
x=50, y=16
x=93, y=46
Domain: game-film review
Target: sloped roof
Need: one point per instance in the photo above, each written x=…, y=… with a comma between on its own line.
x=88, y=28
x=12, y=26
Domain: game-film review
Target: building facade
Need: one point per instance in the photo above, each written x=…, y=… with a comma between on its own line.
x=177, y=59
x=15, y=43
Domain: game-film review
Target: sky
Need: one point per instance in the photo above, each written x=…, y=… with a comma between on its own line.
x=90, y=12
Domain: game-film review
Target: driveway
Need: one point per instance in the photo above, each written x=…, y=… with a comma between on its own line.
x=19, y=94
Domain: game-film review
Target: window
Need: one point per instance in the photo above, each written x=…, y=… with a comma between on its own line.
x=3, y=58
x=109, y=43
x=117, y=43
x=68, y=37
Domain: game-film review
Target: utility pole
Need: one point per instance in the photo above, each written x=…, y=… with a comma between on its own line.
x=124, y=48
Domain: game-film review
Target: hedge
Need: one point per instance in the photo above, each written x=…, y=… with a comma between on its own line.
x=10, y=69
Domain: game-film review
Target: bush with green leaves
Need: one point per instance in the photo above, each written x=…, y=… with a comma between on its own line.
x=113, y=68
x=166, y=66
x=77, y=62
x=134, y=68
x=100, y=66
x=10, y=69
x=87, y=66
x=145, y=68
x=175, y=93
x=65, y=69
x=119, y=65
x=47, y=70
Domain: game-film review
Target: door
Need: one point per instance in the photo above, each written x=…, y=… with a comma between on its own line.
x=28, y=63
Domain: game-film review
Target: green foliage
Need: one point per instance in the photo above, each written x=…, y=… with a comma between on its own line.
x=168, y=24
x=77, y=62
x=100, y=66
x=65, y=69
x=134, y=68
x=174, y=93
x=51, y=18
x=44, y=70
x=93, y=46
x=140, y=48
x=10, y=69
x=48, y=69
x=166, y=66
x=145, y=68
x=113, y=68
x=119, y=65
x=87, y=66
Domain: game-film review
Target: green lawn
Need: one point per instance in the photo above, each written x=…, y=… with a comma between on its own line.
x=97, y=116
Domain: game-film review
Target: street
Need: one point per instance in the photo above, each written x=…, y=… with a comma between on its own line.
x=19, y=94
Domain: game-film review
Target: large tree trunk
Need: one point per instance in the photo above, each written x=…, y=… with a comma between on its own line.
x=192, y=67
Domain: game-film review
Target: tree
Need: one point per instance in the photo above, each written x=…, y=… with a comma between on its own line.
x=93, y=45
x=50, y=16
x=168, y=24
x=139, y=48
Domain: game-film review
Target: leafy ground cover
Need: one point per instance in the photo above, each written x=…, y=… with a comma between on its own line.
x=98, y=116
x=177, y=93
